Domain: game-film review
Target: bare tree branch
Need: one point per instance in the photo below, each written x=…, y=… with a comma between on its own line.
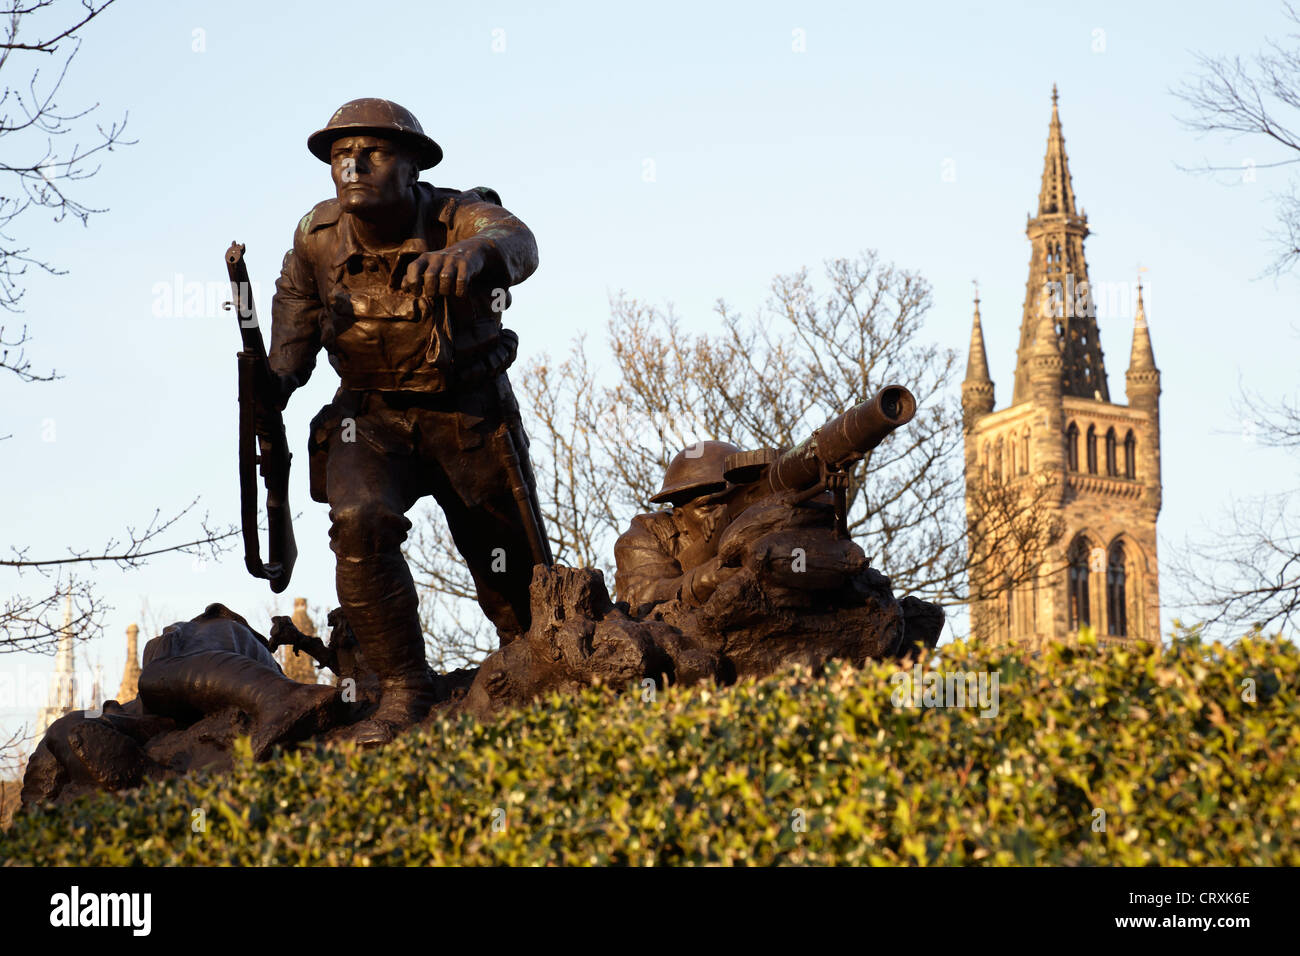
x=39, y=172
x=1239, y=98
x=1246, y=571
x=40, y=168
x=35, y=623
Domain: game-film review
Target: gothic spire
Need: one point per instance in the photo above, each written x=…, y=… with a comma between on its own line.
x=977, y=389
x=977, y=365
x=1141, y=358
x=1058, y=281
x=1057, y=192
x=1142, y=383
x=63, y=682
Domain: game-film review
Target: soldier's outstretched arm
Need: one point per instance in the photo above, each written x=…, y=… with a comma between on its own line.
x=295, y=319
x=486, y=244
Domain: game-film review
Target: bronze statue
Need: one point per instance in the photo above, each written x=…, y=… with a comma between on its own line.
x=212, y=666
x=751, y=571
x=403, y=284
x=724, y=499
x=672, y=555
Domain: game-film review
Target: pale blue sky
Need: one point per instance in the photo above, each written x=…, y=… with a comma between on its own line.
x=766, y=159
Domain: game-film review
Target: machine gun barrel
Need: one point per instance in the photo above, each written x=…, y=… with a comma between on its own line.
x=820, y=462
x=841, y=442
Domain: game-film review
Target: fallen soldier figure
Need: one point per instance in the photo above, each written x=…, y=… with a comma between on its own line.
x=213, y=667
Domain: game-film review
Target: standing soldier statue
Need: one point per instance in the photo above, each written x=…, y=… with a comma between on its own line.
x=403, y=284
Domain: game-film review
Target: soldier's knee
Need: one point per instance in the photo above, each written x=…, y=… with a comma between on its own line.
x=363, y=528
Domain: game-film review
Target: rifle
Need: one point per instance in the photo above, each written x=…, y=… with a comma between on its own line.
x=819, y=463
x=262, y=442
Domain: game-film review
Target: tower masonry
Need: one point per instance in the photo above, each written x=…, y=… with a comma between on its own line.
x=1063, y=485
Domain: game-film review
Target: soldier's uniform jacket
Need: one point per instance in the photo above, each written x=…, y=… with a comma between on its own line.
x=391, y=348
x=648, y=571
x=203, y=635
x=335, y=294
x=649, y=558
x=656, y=556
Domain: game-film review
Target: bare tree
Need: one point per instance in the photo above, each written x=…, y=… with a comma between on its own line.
x=1246, y=573
x=38, y=172
x=1260, y=99
x=34, y=623
x=601, y=445
x=48, y=151
x=44, y=155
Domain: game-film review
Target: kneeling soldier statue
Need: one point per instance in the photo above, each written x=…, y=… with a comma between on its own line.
x=403, y=284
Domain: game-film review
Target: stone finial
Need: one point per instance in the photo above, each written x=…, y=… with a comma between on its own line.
x=1142, y=383
x=977, y=390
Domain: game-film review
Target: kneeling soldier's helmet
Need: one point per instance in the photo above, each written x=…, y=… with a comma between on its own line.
x=695, y=471
x=375, y=117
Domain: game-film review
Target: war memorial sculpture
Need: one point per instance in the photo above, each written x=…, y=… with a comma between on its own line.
x=404, y=285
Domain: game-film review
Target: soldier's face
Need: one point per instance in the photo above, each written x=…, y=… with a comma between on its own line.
x=697, y=510
x=372, y=176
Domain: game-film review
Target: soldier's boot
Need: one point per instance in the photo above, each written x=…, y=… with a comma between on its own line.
x=282, y=709
x=378, y=597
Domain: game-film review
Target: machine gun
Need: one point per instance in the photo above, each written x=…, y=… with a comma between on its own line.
x=818, y=464
x=262, y=441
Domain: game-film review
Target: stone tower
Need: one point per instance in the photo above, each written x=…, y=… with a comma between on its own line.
x=130, y=686
x=1089, y=466
x=62, y=698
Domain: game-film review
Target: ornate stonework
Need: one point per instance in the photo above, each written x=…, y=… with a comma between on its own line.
x=1099, y=460
x=62, y=698
x=130, y=686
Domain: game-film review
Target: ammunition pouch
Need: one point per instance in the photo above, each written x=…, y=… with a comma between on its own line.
x=327, y=421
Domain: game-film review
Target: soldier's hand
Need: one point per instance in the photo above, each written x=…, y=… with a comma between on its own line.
x=445, y=272
x=272, y=396
x=283, y=631
x=706, y=579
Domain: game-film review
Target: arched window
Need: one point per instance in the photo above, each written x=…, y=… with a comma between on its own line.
x=997, y=460
x=1024, y=453
x=1130, y=455
x=987, y=463
x=1092, y=449
x=1011, y=457
x=1112, y=464
x=1116, y=596
x=1078, y=578
x=1072, y=446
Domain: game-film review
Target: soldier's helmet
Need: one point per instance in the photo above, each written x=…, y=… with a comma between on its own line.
x=695, y=471
x=375, y=117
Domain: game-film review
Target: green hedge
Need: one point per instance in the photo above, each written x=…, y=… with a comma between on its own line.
x=788, y=770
